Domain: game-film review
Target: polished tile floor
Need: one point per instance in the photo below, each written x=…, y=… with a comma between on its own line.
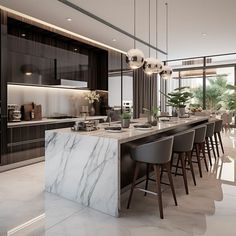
x=209, y=209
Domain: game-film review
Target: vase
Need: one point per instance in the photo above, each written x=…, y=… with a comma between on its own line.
x=125, y=123
x=92, y=110
x=181, y=111
x=174, y=112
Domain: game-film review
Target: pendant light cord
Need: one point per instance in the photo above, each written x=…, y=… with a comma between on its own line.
x=167, y=35
x=149, y=26
x=156, y=26
x=134, y=23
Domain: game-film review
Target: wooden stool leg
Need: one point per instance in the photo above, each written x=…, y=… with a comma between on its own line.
x=208, y=150
x=158, y=184
x=147, y=178
x=168, y=168
x=217, y=147
x=177, y=167
x=181, y=156
x=136, y=171
x=191, y=166
x=198, y=159
x=202, y=148
x=213, y=149
x=221, y=144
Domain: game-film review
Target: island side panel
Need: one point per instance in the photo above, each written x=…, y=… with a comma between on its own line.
x=83, y=169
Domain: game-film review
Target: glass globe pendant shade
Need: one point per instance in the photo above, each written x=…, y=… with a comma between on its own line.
x=149, y=65
x=166, y=72
x=135, y=58
x=158, y=66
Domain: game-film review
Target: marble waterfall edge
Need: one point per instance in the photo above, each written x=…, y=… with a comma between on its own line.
x=83, y=169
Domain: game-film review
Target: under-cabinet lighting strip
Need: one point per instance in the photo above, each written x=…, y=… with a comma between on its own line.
x=60, y=29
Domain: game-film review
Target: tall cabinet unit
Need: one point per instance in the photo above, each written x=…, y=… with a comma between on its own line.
x=3, y=100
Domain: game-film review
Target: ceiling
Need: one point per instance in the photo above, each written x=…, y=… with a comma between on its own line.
x=196, y=28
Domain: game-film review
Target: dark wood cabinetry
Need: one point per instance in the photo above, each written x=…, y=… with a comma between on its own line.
x=38, y=56
x=27, y=142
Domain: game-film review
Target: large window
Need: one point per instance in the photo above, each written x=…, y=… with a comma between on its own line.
x=208, y=78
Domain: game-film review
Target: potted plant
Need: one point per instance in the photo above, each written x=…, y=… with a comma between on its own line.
x=92, y=96
x=178, y=99
x=230, y=99
x=125, y=119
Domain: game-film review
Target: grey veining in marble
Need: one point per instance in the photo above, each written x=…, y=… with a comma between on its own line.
x=83, y=169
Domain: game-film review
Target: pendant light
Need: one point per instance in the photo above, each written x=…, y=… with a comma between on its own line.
x=158, y=63
x=149, y=63
x=135, y=57
x=167, y=71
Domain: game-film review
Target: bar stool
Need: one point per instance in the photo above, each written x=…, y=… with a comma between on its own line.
x=183, y=145
x=209, y=140
x=158, y=154
x=199, y=146
x=217, y=130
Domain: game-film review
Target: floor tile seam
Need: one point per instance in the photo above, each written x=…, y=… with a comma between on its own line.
x=66, y=218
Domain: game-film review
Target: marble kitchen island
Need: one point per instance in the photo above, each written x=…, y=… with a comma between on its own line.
x=85, y=167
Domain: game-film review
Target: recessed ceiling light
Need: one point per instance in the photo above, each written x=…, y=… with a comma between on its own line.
x=204, y=34
x=114, y=40
x=23, y=35
x=68, y=19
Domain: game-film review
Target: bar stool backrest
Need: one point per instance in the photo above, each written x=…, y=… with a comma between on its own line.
x=183, y=142
x=210, y=129
x=218, y=126
x=157, y=152
x=200, y=133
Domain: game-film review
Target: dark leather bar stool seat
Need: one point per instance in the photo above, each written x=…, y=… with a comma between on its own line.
x=158, y=154
x=218, y=140
x=209, y=140
x=199, y=146
x=183, y=145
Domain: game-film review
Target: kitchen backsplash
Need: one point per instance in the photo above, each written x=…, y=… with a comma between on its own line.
x=54, y=101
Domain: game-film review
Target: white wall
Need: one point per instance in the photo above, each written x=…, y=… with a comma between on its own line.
x=114, y=88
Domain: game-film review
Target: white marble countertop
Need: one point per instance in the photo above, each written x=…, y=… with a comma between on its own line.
x=45, y=121
x=132, y=133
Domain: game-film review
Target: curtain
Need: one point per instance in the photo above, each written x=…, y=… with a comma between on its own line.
x=144, y=91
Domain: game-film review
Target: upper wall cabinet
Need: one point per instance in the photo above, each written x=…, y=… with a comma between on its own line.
x=38, y=56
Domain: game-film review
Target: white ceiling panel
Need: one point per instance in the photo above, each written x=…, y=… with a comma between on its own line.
x=189, y=21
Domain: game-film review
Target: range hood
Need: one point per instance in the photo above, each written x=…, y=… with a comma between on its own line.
x=72, y=84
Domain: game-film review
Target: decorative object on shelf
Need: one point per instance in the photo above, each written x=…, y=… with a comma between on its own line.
x=84, y=111
x=135, y=57
x=92, y=96
x=92, y=110
x=125, y=119
x=178, y=99
x=166, y=72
